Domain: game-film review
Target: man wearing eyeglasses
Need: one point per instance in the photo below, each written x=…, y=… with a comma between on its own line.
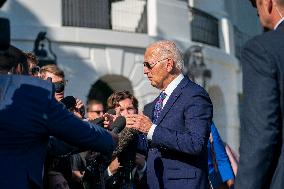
x=71, y=162
x=177, y=122
x=261, y=148
x=95, y=109
x=56, y=75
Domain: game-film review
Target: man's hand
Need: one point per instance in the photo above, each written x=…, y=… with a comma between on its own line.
x=138, y=121
x=79, y=103
x=79, y=110
x=109, y=119
x=114, y=166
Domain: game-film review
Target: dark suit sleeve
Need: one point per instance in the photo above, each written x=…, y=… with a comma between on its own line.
x=65, y=126
x=197, y=115
x=57, y=148
x=261, y=116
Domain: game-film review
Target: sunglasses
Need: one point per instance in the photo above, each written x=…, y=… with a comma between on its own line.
x=148, y=65
x=151, y=66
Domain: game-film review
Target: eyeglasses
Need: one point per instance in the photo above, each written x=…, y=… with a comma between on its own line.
x=151, y=66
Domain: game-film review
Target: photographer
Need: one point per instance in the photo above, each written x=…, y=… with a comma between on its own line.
x=71, y=165
x=57, y=77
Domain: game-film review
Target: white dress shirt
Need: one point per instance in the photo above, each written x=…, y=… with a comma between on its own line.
x=278, y=23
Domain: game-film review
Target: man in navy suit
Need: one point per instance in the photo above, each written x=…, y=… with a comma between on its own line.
x=29, y=114
x=177, y=123
x=262, y=134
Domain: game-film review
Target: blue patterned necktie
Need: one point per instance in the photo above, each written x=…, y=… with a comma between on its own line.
x=159, y=106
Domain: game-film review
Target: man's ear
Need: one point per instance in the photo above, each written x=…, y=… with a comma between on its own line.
x=170, y=65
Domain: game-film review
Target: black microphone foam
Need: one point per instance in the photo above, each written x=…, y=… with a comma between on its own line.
x=118, y=125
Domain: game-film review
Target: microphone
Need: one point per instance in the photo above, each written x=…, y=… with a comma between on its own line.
x=126, y=137
x=118, y=125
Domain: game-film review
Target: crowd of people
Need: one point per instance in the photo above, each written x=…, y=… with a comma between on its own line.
x=50, y=140
x=67, y=166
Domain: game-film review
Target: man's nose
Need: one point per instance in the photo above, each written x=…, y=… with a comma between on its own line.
x=146, y=70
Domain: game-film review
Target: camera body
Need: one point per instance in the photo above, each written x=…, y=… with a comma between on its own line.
x=70, y=104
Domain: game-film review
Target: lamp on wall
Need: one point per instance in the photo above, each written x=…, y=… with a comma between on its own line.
x=195, y=67
x=45, y=57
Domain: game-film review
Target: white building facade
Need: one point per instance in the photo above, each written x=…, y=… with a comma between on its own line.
x=105, y=40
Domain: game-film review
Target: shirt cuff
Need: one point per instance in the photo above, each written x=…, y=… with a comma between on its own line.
x=108, y=172
x=151, y=132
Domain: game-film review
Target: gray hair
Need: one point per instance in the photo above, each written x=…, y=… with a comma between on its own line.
x=166, y=48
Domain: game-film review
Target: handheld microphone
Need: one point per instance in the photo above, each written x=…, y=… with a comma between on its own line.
x=118, y=125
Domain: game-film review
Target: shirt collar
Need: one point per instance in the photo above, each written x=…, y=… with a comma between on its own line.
x=278, y=23
x=173, y=84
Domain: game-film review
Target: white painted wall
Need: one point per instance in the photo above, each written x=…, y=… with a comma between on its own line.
x=130, y=12
x=168, y=19
x=33, y=12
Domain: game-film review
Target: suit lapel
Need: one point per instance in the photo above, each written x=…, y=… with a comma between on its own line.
x=172, y=99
